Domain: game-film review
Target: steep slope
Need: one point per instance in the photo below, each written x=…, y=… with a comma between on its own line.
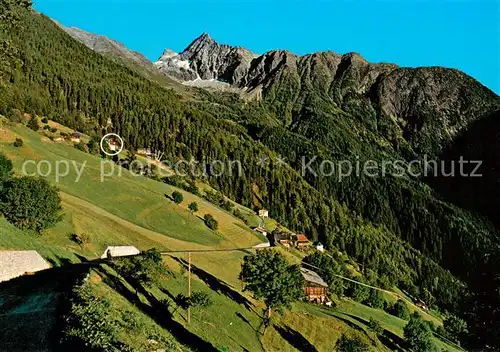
x=124, y=56
x=104, y=45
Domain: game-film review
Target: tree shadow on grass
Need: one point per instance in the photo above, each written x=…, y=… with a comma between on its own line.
x=295, y=338
x=158, y=312
x=389, y=339
x=218, y=285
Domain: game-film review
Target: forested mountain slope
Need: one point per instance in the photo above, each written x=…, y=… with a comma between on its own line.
x=396, y=227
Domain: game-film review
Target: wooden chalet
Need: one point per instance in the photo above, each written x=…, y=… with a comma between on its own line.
x=283, y=239
x=301, y=241
x=315, y=288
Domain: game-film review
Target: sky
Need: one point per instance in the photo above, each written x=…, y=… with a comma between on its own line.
x=462, y=34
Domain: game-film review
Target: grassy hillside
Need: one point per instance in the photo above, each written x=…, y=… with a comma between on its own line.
x=139, y=200
x=132, y=210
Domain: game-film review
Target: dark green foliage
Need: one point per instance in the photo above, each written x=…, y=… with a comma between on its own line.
x=53, y=129
x=193, y=207
x=357, y=292
x=269, y=277
x=181, y=182
x=218, y=198
x=15, y=115
x=177, y=197
x=30, y=203
x=81, y=146
x=455, y=327
x=80, y=239
x=33, y=123
x=5, y=168
x=200, y=299
x=144, y=269
x=375, y=326
x=93, y=146
x=87, y=324
x=375, y=299
x=351, y=344
x=418, y=335
x=18, y=143
x=45, y=120
x=182, y=301
x=211, y=222
x=400, y=310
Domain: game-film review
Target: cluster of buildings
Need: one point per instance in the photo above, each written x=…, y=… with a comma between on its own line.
x=287, y=240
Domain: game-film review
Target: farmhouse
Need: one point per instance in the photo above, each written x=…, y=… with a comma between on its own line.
x=263, y=213
x=113, y=145
x=120, y=251
x=315, y=288
x=283, y=239
x=18, y=263
x=301, y=241
x=76, y=137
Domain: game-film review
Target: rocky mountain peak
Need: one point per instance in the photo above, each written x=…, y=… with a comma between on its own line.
x=202, y=40
x=205, y=59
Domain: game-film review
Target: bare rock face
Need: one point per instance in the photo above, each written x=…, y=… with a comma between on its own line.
x=205, y=59
x=171, y=64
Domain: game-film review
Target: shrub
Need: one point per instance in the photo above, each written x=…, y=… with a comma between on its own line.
x=46, y=127
x=357, y=292
x=18, y=143
x=400, y=310
x=211, y=222
x=81, y=146
x=53, y=129
x=15, y=116
x=200, y=299
x=93, y=146
x=454, y=327
x=375, y=326
x=88, y=324
x=33, y=123
x=45, y=120
x=375, y=299
x=80, y=239
x=193, y=207
x=351, y=344
x=177, y=197
x=5, y=169
x=30, y=203
x=418, y=335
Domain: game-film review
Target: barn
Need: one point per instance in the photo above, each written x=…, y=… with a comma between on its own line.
x=315, y=288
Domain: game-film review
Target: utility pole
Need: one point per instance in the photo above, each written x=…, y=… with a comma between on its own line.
x=189, y=287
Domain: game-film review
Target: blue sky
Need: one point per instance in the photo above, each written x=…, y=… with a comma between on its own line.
x=463, y=34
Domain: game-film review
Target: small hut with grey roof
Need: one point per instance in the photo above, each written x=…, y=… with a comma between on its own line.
x=120, y=251
x=18, y=263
